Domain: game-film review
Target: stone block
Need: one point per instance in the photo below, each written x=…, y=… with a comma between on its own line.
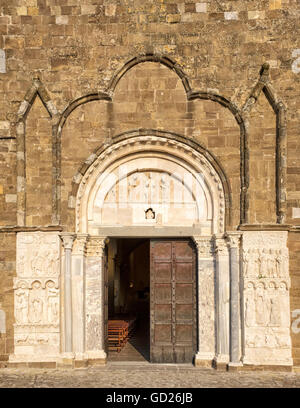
x=62, y=20
x=201, y=7
x=231, y=15
x=173, y=18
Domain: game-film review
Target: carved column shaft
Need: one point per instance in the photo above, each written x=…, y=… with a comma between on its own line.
x=222, y=295
x=95, y=298
x=205, y=281
x=67, y=240
x=233, y=240
x=78, y=294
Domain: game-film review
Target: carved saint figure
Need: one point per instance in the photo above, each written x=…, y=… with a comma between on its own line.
x=260, y=310
x=52, y=302
x=36, y=303
x=250, y=311
x=37, y=262
x=278, y=264
x=252, y=269
x=274, y=312
x=50, y=263
x=164, y=187
x=271, y=264
x=133, y=195
x=256, y=262
x=263, y=258
x=21, y=307
x=246, y=259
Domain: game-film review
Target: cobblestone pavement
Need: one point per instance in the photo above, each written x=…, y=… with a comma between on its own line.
x=147, y=376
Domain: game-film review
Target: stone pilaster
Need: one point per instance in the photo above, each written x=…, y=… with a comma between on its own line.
x=206, y=309
x=267, y=339
x=222, y=300
x=37, y=290
x=233, y=239
x=95, y=299
x=67, y=240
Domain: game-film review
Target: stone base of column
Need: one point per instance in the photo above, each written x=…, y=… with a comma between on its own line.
x=24, y=361
x=234, y=366
x=97, y=357
x=221, y=361
x=204, y=359
x=66, y=360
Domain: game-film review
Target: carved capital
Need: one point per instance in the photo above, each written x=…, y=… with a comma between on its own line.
x=67, y=240
x=204, y=246
x=95, y=246
x=233, y=239
x=80, y=244
x=220, y=246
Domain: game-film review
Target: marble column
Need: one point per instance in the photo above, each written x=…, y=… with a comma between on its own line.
x=67, y=240
x=78, y=295
x=96, y=301
x=234, y=245
x=205, y=290
x=222, y=300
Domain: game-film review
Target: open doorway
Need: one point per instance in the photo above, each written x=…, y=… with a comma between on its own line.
x=128, y=299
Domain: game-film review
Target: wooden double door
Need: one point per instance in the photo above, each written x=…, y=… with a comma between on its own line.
x=173, y=307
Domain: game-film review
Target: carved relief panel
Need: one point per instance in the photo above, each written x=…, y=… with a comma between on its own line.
x=266, y=298
x=36, y=290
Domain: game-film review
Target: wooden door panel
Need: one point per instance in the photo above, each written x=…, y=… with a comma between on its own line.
x=182, y=250
x=184, y=293
x=173, y=300
x=163, y=313
x=184, y=313
x=184, y=333
x=163, y=251
x=163, y=272
x=163, y=333
x=183, y=272
x=163, y=293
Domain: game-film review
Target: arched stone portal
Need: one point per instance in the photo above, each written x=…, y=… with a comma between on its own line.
x=141, y=172
x=152, y=185
x=184, y=195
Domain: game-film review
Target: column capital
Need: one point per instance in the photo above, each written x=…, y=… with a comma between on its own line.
x=67, y=239
x=220, y=247
x=204, y=245
x=96, y=245
x=80, y=244
x=233, y=239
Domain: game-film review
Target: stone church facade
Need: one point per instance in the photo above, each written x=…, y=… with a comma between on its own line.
x=172, y=121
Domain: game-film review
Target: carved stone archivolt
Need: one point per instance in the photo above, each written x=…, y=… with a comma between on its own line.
x=266, y=297
x=152, y=184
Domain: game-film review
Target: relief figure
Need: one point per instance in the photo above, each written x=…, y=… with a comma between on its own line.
x=52, y=302
x=250, y=311
x=36, y=303
x=21, y=307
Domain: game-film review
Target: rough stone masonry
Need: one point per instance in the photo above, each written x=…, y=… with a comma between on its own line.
x=77, y=77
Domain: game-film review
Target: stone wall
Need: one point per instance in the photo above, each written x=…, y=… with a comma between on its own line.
x=76, y=48
x=7, y=273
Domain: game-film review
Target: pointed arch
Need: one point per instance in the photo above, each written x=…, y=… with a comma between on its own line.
x=190, y=95
x=264, y=85
x=36, y=89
